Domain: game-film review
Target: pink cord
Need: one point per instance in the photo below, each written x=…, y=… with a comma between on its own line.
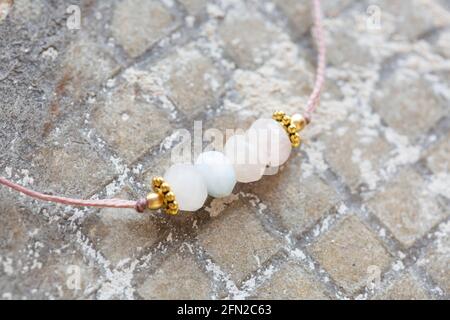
x=314, y=98
x=110, y=203
x=140, y=205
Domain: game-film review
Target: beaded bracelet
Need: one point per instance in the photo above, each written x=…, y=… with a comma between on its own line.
x=245, y=158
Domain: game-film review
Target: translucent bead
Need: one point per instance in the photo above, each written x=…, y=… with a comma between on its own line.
x=244, y=157
x=271, y=140
x=188, y=186
x=217, y=172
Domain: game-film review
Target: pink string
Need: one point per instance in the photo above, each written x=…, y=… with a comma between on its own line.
x=314, y=98
x=140, y=205
x=110, y=203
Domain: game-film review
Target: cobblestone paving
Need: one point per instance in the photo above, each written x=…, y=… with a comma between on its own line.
x=360, y=212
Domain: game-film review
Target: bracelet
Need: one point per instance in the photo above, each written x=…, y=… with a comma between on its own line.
x=246, y=157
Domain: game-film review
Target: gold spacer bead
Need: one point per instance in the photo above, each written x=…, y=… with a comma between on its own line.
x=169, y=197
x=292, y=129
x=299, y=121
x=157, y=182
x=286, y=120
x=295, y=140
x=162, y=197
x=173, y=205
x=172, y=212
x=154, y=201
x=278, y=115
x=165, y=187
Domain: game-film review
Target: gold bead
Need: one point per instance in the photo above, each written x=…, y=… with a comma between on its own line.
x=292, y=129
x=173, y=205
x=295, y=140
x=172, y=212
x=286, y=120
x=169, y=197
x=278, y=115
x=154, y=201
x=299, y=121
x=165, y=187
x=157, y=182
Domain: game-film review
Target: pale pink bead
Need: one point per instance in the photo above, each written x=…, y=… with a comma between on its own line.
x=271, y=140
x=244, y=157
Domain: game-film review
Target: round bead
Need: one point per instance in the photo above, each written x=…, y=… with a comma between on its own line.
x=154, y=201
x=244, y=157
x=188, y=186
x=299, y=121
x=217, y=172
x=271, y=140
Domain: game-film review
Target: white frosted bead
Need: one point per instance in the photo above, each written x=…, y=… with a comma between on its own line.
x=217, y=172
x=244, y=157
x=271, y=140
x=188, y=186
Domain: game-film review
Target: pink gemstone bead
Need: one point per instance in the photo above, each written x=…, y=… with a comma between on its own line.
x=271, y=140
x=244, y=157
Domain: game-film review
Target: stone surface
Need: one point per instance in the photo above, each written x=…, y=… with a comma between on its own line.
x=442, y=44
x=194, y=7
x=414, y=211
x=437, y=157
x=224, y=237
x=86, y=66
x=343, y=252
x=299, y=12
x=423, y=15
x=400, y=112
x=178, y=278
x=36, y=260
x=69, y=165
x=405, y=288
x=284, y=284
x=247, y=49
x=356, y=153
x=437, y=258
x=190, y=79
x=99, y=110
x=128, y=110
x=305, y=199
x=122, y=234
x=133, y=28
